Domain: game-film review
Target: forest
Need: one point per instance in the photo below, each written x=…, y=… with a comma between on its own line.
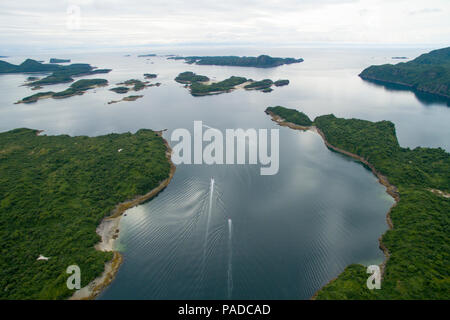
x=54, y=192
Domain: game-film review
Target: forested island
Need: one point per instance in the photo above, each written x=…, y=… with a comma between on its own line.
x=200, y=85
x=133, y=84
x=150, y=75
x=56, y=60
x=428, y=73
x=61, y=74
x=77, y=88
x=129, y=98
x=416, y=245
x=262, y=61
x=28, y=65
x=54, y=192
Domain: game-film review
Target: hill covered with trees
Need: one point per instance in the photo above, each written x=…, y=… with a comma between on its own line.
x=428, y=73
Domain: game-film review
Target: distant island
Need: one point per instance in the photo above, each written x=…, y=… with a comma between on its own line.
x=29, y=65
x=150, y=75
x=200, y=85
x=60, y=74
x=81, y=180
x=129, y=98
x=189, y=77
x=55, y=60
x=133, y=84
x=416, y=244
x=262, y=61
x=77, y=88
x=428, y=73
x=147, y=55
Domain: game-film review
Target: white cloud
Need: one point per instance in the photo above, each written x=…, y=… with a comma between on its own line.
x=277, y=22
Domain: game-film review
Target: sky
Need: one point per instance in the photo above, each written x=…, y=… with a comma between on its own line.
x=42, y=24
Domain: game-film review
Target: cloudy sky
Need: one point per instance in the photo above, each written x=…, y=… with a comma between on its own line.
x=111, y=23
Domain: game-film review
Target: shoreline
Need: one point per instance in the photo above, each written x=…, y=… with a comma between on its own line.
x=108, y=230
x=390, y=188
x=403, y=85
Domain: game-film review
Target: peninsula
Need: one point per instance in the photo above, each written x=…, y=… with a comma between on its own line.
x=416, y=244
x=65, y=187
x=262, y=61
x=428, y=73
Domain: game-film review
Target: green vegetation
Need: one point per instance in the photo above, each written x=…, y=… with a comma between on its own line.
x=66, y=73
x=55, y=60
x=150, y=75
x=32, y=78
x=419, y=243
x=54, y=191
x=77, y=88
x=120, y=90
x=262, y=61
x=193, y=82
x=280, y=83
x=199, y=89
x=37, y=96
x=28, y=65
x=129, y=98
x=189, y=77
x=259, y=85
x=137, y=85
x=61, y=74
x=290, y=115
x=429, y=73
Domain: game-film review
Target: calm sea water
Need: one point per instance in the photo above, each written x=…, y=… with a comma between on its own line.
x=246, y=236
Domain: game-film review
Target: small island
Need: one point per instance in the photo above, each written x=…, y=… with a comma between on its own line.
x=77, y=88
x=198, y=89
x=150, y=75
x=189, y=77
x=60, y=74
x=56, y=60
x=428, y=73
x=129, y=98
x=280, y=83
x=262, y=61
x=27, y=66
x=133, y=84
x=147, y=55
x=415, y=246
x=259, y=85
x=200, y=85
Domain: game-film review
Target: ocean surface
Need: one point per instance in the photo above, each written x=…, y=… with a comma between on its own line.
x=225, y=231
